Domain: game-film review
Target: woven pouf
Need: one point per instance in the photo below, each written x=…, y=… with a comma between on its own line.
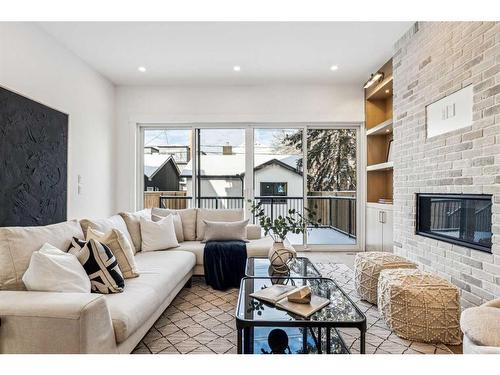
x=367, y=267
x=420, y=306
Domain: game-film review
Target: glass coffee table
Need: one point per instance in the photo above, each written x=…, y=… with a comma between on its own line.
x=299, y=267
x=316, y=334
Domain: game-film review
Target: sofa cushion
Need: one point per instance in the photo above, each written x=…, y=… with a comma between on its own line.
x=215, y=215
x=121, y=248
x=100, y=264
x=158, y=235
x=255, y=248
x=225, y=231
x=18, y=243
x=133, y=223
x=105, y=225
x=160, y=271
x=482, y=325
x=54, y=270
x=188, y=218
x=179, y=231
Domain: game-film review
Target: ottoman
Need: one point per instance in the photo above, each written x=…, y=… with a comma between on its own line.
x=367, y=267
x=481, y=328
x=420, y=306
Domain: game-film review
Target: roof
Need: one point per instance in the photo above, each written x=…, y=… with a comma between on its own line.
x=234, y=165
x=154, y=162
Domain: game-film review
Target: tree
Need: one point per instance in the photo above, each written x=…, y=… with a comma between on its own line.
x=331, y=158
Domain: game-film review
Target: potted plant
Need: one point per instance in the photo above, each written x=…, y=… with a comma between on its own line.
x=277, y=228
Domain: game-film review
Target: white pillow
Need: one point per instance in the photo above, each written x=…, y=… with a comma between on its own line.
x=53, y=270
x=177, y=224
x=225, y=231
x=158, y=235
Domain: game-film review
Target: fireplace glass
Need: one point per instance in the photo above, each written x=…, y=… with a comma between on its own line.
x=456, y=218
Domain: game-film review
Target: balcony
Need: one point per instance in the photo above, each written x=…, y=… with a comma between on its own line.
x=337, y=213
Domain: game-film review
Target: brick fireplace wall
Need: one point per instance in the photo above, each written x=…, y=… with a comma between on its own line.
x=433, y=60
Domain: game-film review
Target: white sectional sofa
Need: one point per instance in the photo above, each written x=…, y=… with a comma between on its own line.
x=43, y=322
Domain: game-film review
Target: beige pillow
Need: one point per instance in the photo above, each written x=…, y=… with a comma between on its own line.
x=188, y=218
x=18, y=243
x=105, y=225
x=121, y=248
x=225, y=231
x=132, y=220
x=215, y=215
x=158, y=235
x=177, y=225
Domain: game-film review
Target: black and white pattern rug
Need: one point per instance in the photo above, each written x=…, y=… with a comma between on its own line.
x=201, y=320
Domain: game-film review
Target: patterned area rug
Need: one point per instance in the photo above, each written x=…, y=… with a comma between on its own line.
x=201, y=320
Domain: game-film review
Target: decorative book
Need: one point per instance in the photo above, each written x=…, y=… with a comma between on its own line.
x=282, y=296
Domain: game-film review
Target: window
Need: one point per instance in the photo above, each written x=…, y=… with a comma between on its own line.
x=273, y=189
x=227, y=166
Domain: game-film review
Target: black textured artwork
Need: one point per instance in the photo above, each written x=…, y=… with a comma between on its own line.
x=33, y=162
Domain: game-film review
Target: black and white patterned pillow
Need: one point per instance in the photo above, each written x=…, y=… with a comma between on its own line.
x=100, y=264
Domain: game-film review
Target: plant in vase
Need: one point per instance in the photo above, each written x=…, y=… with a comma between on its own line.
x=277, y=228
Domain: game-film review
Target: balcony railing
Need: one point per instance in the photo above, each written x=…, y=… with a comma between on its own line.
x=335, y=212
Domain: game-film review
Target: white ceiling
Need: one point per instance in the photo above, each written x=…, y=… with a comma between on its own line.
x=193, y=53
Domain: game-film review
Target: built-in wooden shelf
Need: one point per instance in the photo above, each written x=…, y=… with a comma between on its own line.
x=384, y=128
x=380, y=167
x=379, y=133
x=382, y=90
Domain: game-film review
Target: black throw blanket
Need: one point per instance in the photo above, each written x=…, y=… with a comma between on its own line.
x=224, y=263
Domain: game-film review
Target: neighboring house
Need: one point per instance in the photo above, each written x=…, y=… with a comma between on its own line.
x=161, y=173
x=223, y=175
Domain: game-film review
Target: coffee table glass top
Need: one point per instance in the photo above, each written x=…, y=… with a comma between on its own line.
x=301, y=340
x=340, y=312
x=299, y=267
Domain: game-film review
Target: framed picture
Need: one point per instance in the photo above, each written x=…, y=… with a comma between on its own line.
x=389, y=151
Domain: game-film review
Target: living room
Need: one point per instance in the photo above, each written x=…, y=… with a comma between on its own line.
x=288, y=184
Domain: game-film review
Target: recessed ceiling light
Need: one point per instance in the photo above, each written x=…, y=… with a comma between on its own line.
x=334, y=68
x=387, y=91
x=236, y=68
x=141, y=69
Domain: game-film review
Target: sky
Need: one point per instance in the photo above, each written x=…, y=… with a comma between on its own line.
x=212, y=140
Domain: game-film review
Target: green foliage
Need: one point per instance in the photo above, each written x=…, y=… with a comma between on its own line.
x=331, y=158
x=279, y=227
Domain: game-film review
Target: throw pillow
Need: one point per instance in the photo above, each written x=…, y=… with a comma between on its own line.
x=226, y=215
x=120, y=247
x=188, y=218
x=100, y=264
x=158, y=235
x=53, y=270
x=225, y=231
x=177, y=225
x=105, y=225
x=133, y=222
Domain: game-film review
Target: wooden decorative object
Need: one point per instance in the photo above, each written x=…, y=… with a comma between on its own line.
x=301, y=295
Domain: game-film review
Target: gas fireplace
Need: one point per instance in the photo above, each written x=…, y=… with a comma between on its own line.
x=462, y=219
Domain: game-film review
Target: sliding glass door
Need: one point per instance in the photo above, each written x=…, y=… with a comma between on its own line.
x=284, y=167
x=278, y=173
x=331, y=185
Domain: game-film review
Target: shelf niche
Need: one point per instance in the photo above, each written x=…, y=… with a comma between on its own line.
x=378, y=123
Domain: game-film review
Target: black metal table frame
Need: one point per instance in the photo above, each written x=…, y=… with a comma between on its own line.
x=282, y=276
x=244, y=326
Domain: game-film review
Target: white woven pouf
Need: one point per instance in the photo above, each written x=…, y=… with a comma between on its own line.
x=420, y=306
x=367, y=267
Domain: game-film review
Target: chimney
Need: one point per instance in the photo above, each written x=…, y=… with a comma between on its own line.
x=227, y=149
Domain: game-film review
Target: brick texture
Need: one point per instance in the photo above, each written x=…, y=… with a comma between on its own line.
x=433, y=60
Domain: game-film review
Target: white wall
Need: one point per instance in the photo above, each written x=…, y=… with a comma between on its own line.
x=274, y=173
x=36, y=66
x=243, y=104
